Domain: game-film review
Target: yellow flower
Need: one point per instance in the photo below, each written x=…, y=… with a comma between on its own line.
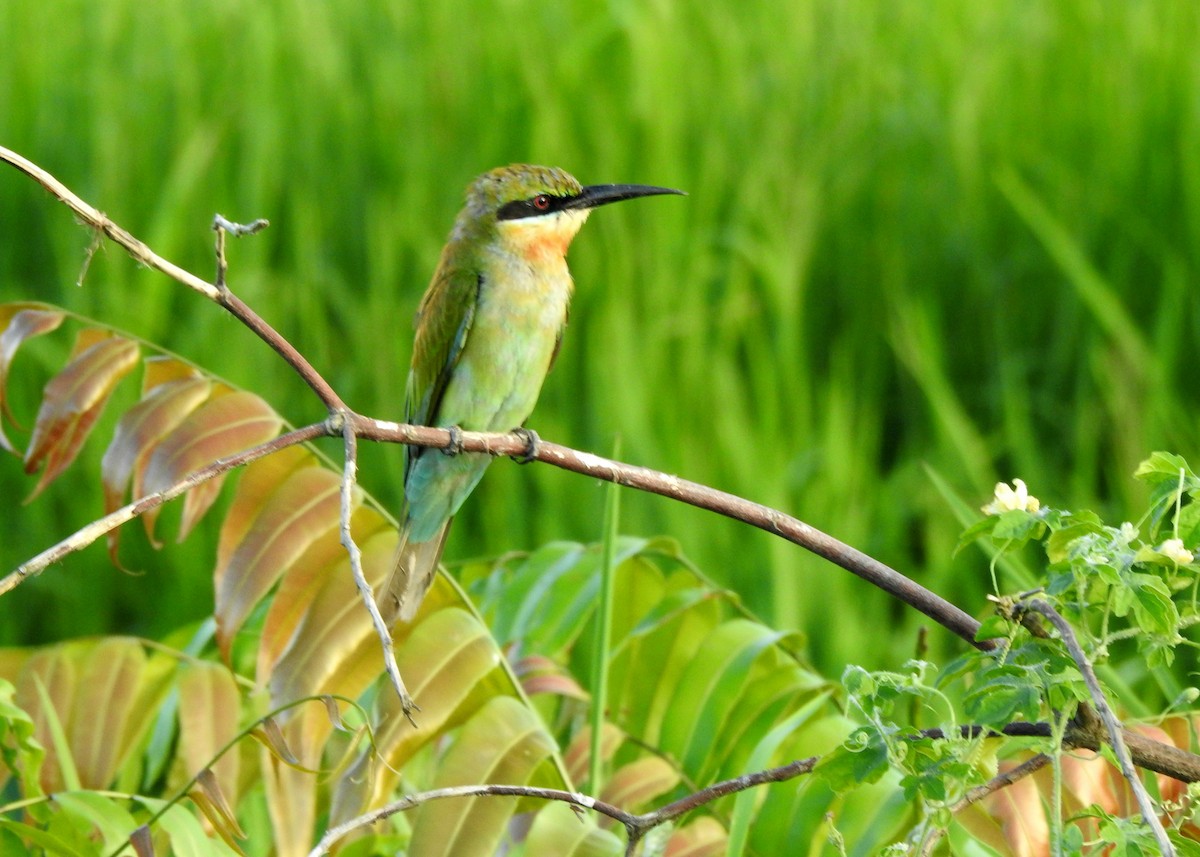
x=1007, y=499
x=1174, y=549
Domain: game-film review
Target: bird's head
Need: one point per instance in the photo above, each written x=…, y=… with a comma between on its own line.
x=538, y=210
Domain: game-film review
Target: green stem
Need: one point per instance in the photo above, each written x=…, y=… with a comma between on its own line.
x=612, y=508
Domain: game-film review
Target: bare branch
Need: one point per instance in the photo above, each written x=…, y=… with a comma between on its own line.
x=731, y=506
x=240, y=310
x=349, y=476
x=763, y=517
x=635, y=825
x=100, y=222
x=239, y=230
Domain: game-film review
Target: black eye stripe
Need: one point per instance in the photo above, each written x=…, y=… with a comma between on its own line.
x=528, y=207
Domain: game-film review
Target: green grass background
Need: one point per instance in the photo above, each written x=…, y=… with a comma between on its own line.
x=960, y=236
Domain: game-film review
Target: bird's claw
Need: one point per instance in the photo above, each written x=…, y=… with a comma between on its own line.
x=454, y=446
x=532, y=442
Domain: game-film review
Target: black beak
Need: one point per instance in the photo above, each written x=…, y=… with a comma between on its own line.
x=596, y=195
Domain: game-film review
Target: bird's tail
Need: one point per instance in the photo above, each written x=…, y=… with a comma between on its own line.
x=412, y=573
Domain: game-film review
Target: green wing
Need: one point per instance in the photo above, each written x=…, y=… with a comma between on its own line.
x=443, y=324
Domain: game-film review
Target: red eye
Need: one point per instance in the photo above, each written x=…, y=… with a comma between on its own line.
x=541, y=202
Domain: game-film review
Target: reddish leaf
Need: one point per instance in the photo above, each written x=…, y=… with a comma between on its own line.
x=634, y=785
x=222, y=426
x=208, y=796
x=138, y=432
x=325, y=557
x=539, y=674
x=578, y=754
x=332, y=646
x=258, y=480
x=159, y=369
x=73, y=400
x=20, y=322
x=305, y=506
x=142, y=842
x=704, y=837
x=270, y=735
x=1020, y=813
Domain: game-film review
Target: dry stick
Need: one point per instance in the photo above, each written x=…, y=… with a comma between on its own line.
x=349, y=477
x=635, y=825
x=100, y=222
x=1111, y=724
x=99, y=528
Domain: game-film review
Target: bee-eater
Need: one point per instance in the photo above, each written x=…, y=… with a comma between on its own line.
x=487, y=331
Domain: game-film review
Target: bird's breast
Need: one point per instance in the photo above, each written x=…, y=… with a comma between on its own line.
x=520, y=312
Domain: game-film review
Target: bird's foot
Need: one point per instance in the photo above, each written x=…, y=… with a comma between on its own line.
x=532, y=442
x=455, y=445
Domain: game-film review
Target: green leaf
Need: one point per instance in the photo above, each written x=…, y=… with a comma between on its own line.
x=111, y=820
x=994, y=627
x=64, y=843
x=863, y=759
x=995, y=702
x=19, y=750
x=557, y=830
x=1016, y=525
x=1153, y=608
x=504, y=742
x=760, y=759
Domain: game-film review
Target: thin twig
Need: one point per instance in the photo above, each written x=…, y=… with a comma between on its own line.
x=635, y=825
x=349, y=478
x=100, y=222
x=1108, y=718
x=1000, y=781
x=239, y=230
x=240, y=310
x=101, y=527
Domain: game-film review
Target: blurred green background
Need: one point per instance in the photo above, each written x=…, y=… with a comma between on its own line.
x=944, y=235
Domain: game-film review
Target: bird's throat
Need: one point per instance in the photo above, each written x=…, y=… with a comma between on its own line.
x=543, y=239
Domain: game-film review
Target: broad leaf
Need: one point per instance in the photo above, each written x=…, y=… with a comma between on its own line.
x=73, y=400
x=20, y=322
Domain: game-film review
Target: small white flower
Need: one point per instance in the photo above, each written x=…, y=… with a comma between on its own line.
x=1007, y=499
x=1174, y=549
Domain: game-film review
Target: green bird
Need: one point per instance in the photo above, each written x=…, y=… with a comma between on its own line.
x=487, y=331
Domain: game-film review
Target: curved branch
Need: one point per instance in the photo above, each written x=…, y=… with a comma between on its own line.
x=99, y=221
x=635, y=825
x=701, y=496
x=220, y=294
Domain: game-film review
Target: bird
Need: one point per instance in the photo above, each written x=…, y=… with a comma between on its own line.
x=488, y=329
